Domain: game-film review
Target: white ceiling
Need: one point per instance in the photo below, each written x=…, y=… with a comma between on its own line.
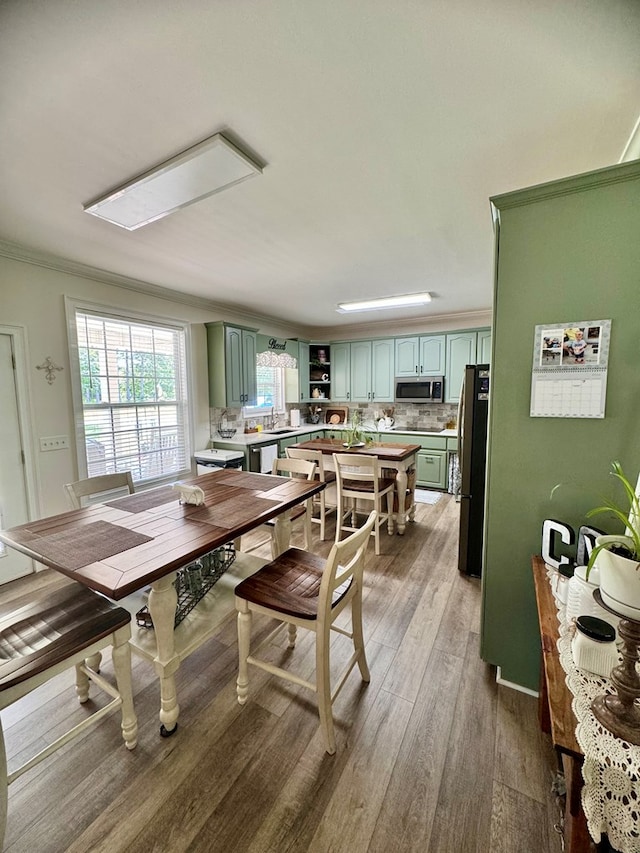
x=384, y=128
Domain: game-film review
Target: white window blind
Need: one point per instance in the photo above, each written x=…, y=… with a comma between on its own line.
x=134, y=396
x=270, y=387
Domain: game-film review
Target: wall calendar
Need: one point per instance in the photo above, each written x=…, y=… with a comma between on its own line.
x=569, y=377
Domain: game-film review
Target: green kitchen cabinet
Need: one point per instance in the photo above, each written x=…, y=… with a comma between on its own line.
x=360, y=371
x=483, y=347
x=461, y=350
x=291, y=440
x=340, y=370
x=232, y=365
x=431, y=469
x=383, y=370
x=363, y=371
x=303, y=370
x=420, y=356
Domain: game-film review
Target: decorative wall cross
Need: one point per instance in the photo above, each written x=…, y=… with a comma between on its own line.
x=50, y=366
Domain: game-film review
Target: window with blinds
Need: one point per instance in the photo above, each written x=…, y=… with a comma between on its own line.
x=133, y=387
x=270, y=387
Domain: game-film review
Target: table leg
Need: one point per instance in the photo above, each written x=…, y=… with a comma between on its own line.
x=281, y=534
x=162, y=607
x=401, y=490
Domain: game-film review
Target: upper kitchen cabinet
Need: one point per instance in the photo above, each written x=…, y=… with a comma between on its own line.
x=341, y=370
x=483, y=348
x=383, y=371
x=421, y=356
x=303, y=370
x=360, y=371
x=461, y=350
x=363, y=371
x=232, y=365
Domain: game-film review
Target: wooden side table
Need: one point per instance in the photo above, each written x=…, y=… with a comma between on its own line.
x=555, y=714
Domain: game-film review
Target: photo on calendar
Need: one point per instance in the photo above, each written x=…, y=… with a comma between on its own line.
x=580, y=345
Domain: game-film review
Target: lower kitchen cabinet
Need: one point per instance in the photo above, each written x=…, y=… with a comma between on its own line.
x=431, y=469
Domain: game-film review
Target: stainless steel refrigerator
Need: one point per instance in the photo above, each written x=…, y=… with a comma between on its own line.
x=472, y=455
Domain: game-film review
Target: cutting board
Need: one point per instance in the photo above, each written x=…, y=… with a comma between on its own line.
x=337, y=415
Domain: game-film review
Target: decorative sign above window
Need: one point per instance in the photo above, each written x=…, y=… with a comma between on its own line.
x=269, y=346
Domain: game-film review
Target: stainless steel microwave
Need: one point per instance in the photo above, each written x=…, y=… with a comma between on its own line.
x=420, y=389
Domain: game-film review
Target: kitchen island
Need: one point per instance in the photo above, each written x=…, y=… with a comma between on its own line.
x=435, y=447
x=400, y=458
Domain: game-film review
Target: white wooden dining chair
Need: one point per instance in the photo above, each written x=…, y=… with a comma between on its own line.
x=323, y=500
x=290, y=468
x=301, y=590
x=92, y=486
x=44, y=633
x=358, y=478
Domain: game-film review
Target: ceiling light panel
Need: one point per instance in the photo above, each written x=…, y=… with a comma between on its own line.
x=200, y=171
x=406, y=301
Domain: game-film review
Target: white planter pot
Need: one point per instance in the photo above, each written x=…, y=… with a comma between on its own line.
x=619, y=578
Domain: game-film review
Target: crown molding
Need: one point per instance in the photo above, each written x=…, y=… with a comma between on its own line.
x=567, y=186
x=380, y=328
x=24, y=254
x=413, y=325
x=632, y=148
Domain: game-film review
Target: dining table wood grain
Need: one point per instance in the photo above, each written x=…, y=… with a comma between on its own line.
x=171, y=535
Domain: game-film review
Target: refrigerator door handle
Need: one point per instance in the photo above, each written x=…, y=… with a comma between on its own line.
x=460, y=420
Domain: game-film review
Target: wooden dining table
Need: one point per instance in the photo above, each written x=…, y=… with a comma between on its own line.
x=125, y=545
x=401, y=458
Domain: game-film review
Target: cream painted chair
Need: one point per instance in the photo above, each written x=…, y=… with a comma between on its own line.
x=301, y=590
x=324, y=506
x=358, y=479
x=290, y=468
x=44, y=633
x=96, y=485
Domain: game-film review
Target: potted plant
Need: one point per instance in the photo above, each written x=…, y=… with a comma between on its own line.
x=357, y=435
x=618, y=554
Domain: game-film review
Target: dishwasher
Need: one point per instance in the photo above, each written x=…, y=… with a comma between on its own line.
x=261, y=457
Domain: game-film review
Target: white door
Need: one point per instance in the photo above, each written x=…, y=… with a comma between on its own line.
x=13, y=491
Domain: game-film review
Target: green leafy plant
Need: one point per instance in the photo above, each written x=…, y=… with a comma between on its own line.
x=629, y=544
x=357, y=432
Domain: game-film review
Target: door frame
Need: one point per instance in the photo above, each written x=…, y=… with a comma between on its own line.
x=18, y=335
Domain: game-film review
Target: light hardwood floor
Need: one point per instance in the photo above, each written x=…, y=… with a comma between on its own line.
x=432, y=756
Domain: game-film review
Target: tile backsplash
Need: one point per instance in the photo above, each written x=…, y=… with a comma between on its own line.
x=432, y=416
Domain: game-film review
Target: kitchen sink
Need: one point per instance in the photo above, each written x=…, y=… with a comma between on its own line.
x=281, y=431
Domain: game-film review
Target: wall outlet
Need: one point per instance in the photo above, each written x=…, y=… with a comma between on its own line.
x=54, y=442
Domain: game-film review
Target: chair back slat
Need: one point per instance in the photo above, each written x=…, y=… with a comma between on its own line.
x=294, y=468
x=311, y=456
x=345, y=561
x=97, y=485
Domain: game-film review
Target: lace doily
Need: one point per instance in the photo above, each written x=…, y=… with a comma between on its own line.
x=611, y=768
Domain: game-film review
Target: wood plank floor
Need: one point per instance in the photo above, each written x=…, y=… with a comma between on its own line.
x=433, y=756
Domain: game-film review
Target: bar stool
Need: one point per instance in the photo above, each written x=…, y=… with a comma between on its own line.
x=324, y=476
x=44, y=633
x=290, y=468
x=358, y=479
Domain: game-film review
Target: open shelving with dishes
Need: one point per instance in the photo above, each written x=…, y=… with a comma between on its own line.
x=319, y=372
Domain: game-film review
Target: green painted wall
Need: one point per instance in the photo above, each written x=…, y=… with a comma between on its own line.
x=566, y=251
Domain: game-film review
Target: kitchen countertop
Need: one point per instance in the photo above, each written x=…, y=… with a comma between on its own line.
x=254, y=438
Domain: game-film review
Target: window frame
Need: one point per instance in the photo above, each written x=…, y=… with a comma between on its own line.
x=126, y=316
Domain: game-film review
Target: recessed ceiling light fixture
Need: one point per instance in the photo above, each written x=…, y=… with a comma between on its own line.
x=406, y=301
x=198, y=172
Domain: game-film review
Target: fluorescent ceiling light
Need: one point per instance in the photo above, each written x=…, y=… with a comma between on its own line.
x=200, y=171
x=406, y=301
